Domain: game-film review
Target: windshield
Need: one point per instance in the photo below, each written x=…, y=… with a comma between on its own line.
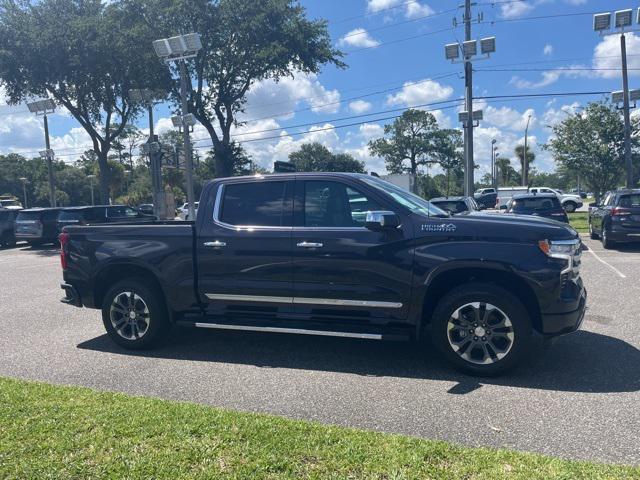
x=70, y=215
x=10, y=203
x=409, y=200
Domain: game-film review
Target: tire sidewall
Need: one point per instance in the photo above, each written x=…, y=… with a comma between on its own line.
x=482, y=293
x=570, y=207
x=158, y=323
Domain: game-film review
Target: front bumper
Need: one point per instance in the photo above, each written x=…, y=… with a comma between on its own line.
x=71, y=295
x=554, y=324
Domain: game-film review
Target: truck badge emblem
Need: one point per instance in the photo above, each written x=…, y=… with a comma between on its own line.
x=441, y=227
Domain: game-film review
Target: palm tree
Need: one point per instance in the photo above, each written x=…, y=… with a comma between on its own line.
x=524, y=167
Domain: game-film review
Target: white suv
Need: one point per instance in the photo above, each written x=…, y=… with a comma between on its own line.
x=569, y=201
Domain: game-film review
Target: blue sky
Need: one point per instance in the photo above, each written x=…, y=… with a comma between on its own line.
x=395, y=56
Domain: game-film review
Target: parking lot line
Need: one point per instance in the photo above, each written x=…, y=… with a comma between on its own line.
x=622, y=275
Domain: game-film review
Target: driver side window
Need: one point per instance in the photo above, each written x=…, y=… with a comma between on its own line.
x=334, y=204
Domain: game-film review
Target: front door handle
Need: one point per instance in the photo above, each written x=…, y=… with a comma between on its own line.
x=216, y=244
x=310, y=245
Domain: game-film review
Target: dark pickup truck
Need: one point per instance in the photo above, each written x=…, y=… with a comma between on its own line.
x=341, y=255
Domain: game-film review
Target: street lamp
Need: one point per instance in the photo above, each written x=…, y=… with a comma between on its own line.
x=623, y=21
x=493, y=164
x=525, y=166
x=91, y=177
x=178, y=49
x=45, y=107
x=148, y=98
x=24, y=191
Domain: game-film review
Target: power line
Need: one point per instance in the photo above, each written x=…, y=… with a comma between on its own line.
x=399, y=40
x=371, y=14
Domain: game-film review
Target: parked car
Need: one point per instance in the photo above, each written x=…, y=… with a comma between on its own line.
x=101, y=214
x=10, y=203
x=455, y=205
x=569, y=202
x=146, y=208
x=7, y=227
x=581, y=193
x=183, y=212
x=617, y=218
x=486, y=197
x=293, y=253
x=543, y=205
x=37, y=225
x=506, y=193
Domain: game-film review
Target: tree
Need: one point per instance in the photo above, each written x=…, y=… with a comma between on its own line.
x=507, y=175
x=87, y=67
x=315, y=157
x=592, y=143
x=244, y=42
x=414, y=139
x=524, y=166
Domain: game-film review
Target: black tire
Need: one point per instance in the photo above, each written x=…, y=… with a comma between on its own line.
x=607, y=243
x=457, y=301
x=144, y=298
x=592, y=234
x=570, y=207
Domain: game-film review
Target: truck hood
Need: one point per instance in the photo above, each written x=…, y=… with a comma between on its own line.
x=498, y=226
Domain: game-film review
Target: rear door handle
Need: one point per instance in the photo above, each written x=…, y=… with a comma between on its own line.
x=216, y=244
x=310, y=245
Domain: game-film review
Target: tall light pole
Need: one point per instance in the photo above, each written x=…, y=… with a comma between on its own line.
x=493, y=163
x=45, y=107
x=525, y=159
x=623, y=20
x=178, y=49
x=470, y=118
x=91, y=177
x=24, y=191
x=148, y=98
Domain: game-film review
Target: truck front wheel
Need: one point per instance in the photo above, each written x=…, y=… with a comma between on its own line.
x=482, y=329
x=134, y=315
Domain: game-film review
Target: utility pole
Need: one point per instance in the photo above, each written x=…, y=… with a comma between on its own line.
x=188, y=160
x=627, y=116
x=468, y=82
x=493, y=163
x=91, y=185
x=525, y=160
x=24, y=190
x=44, y=107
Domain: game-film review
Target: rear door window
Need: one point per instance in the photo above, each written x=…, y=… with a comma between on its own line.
x=630, y=201
x=536, y=204
x=260, y=204
x=28, y=216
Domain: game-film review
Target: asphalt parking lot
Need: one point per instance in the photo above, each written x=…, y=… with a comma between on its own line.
x=579, y=399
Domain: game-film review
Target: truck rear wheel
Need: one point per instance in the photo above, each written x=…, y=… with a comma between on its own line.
x=481, y=329
x=134, y=315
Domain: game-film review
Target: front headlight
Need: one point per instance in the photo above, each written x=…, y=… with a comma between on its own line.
x=562, y=249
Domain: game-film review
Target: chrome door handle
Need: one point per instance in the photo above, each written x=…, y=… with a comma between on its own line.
x=310, y=245
x=216, y=244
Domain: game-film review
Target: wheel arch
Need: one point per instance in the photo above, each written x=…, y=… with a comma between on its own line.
x=117, y=272
x=443, y=282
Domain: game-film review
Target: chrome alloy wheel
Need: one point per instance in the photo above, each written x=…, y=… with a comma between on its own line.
x=480, y=333
x=129, y=315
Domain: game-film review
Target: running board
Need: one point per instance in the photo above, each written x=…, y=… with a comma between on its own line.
x=299, y=331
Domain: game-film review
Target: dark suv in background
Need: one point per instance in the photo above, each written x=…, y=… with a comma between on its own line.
x=540, y=205
x=101, y=214
x=617, y=218
x=7, y=227
x=456, y=205
x=37, y=225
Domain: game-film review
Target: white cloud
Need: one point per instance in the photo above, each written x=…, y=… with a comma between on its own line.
x=415, y=9
x=555, y=115
x=377, y=5
x=515, y=9
x=425, y=91
x=268, y=98
x=359, y=106
x=358, y=37
x=509, y=118
x=547, y=50
x=607, y=56
x=371, y=130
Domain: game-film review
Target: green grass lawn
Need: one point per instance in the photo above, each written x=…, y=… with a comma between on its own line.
x=579, y=221
x=69, y=432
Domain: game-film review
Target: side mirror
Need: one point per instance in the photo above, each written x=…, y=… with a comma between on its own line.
x=593, y=204
x=503, y=207
x=482, y=206
x=381, y=220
